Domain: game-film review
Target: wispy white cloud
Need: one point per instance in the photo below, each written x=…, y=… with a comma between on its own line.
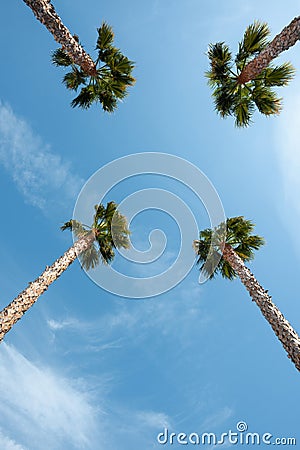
x=218, y=418
x=112, y=330
x=105, y=346
x=63, y=324
x=136, y=429
x=41, y=408
x=153, y=419
x=9, y=444
x=41, y=175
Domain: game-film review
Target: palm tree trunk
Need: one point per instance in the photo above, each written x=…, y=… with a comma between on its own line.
x=15, y=310
x=283, y=330
x=46, y=14
x=283, y=41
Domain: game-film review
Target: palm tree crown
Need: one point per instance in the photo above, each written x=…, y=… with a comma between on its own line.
x=224, y=249
x=237, y=232
x=233, y=98
x=108, y=83
x=110, y=230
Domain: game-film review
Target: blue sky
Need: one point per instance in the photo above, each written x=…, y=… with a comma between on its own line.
x=87, y=369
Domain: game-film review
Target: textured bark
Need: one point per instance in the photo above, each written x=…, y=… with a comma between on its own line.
x=15, y=310
x=283, y=330
x=46, y=14
x=283, y=41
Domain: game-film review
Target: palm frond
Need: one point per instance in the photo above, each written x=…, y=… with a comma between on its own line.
x=279, y=75
x=74, y=79
x=67, y=225
x=105, y=37
x=233, y=97
x=226, y=270
x=243, y=108
x=266, y=100
x=76, y=227
x=108, y=82
x=104, y=215
x=239, y=227
x=254, y=41
x=255, y=241
x=208, y=255
x=106, y=249
x=237, y=232
x=106, y=90
x=119, y=64
x=61, y=58
x=108, y=101
x=111, y=230
x=223, y=100
x=107, y=54
x=119, y=231
x=89, y=259
x=211, y=266
x=99, y=213
x=86, y=97
x=220, y=62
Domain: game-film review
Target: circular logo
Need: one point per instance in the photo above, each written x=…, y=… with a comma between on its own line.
x=242, y=426
x=142, y=282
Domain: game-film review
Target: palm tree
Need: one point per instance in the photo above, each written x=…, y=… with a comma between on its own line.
x=281, y=42
x=104, y=80
x=235, y=243
x=108, y=231
x=238, y=90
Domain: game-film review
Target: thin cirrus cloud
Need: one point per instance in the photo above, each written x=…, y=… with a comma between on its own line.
x=114, y=329
x=217, y=419
x=153, y=420
x=55, y=325
x=185, y=308
x=42, y=176
x=9, y=444
x=42, y=409
x=136, y=429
